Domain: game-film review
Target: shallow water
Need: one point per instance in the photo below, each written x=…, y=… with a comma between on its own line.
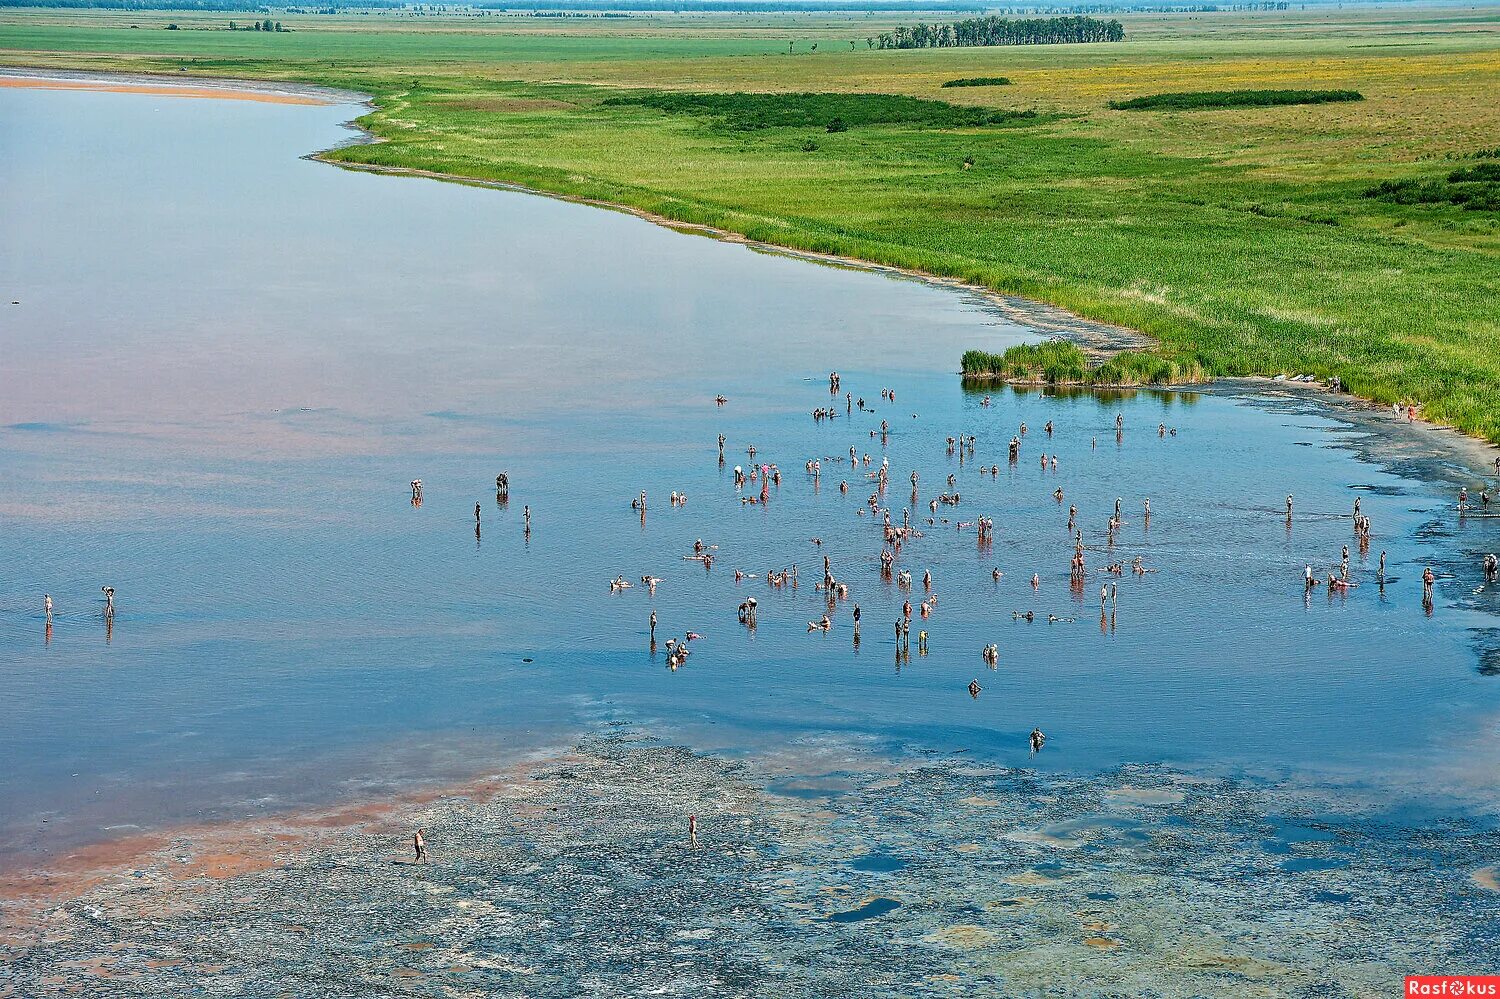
x=227, y=362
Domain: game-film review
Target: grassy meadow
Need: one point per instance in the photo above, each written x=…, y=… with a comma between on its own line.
x=1241, y=239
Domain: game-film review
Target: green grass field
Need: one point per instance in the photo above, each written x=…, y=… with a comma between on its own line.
x=1241, y=239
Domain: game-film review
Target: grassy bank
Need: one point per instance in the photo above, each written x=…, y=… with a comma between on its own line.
x=1241, y=239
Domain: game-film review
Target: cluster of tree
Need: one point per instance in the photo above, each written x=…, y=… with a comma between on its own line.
x=999, y=31
x=266, y=25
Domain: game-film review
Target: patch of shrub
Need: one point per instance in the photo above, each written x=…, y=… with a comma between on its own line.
x=1202, y=100
x=1482, y=172
x=837, y=125
x=810, y=146
x=1476, y=189
x=748, y=112
x=979, y=81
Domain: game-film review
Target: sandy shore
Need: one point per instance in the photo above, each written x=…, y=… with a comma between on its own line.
x=165, y=86
x=819, y=871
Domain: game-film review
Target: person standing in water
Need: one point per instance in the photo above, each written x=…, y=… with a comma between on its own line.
x=1427, y=580
x=1038, y=740
x=693, y=831
x=653, y=627
x=1382, y=568
x=47, y=605
x=419, y=844
x=526, y=515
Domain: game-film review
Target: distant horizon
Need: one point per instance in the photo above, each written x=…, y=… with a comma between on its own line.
x=728, y=6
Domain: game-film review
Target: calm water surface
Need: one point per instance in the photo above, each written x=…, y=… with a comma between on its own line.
x=227, y=362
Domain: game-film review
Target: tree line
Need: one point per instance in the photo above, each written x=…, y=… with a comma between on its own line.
x=994, y=30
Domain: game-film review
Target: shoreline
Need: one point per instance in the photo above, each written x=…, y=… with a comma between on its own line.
x=1095, y=338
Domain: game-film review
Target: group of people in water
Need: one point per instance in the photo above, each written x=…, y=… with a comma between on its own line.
x=761, y=478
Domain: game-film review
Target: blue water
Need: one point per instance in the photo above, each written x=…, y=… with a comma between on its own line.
x=872, y=909
x=228, y=362
x=880, y=863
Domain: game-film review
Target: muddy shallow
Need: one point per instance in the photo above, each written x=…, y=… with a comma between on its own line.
x=575, y=875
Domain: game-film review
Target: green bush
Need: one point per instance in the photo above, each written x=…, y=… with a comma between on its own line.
x=1059, y=362
x=1476, y=189
x=1202, y=100
x=748, y=112
x=979, y=81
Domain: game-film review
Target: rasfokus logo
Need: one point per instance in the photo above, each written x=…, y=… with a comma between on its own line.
x=1453, y=985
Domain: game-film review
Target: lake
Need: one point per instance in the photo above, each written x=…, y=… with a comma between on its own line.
x=227, y=362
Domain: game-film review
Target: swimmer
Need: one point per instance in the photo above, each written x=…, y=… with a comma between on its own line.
x=974, y=689
x=1036, y=581
x=1038, y=740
